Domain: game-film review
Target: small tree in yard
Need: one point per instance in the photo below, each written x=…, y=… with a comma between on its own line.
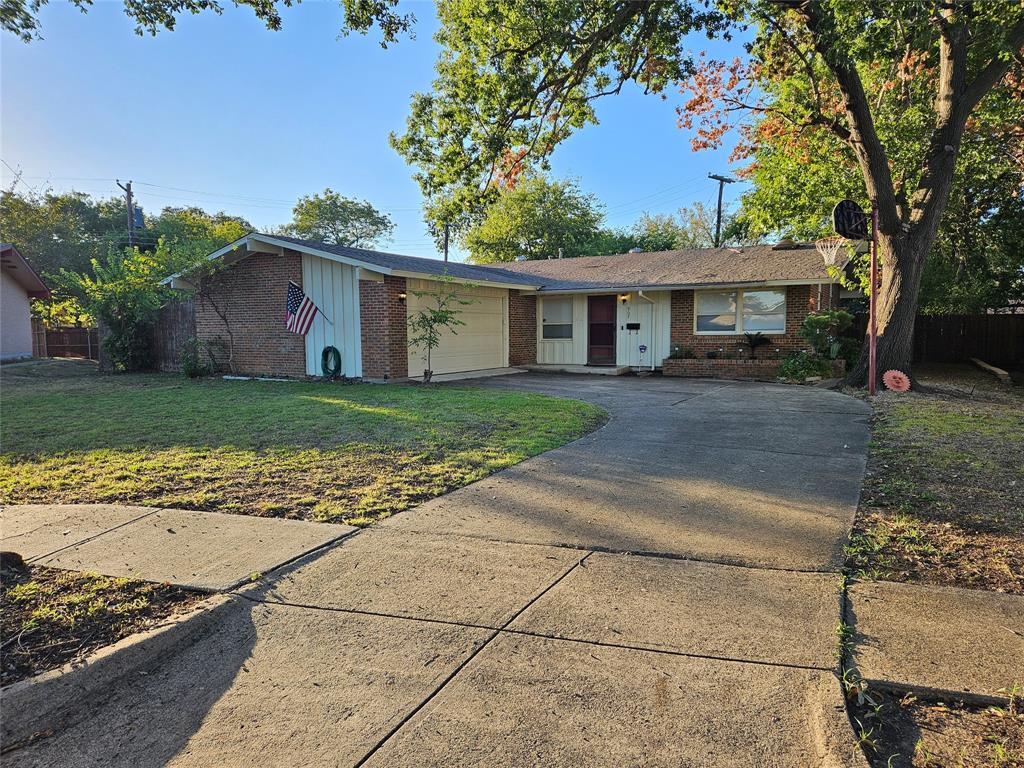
x=442, y=311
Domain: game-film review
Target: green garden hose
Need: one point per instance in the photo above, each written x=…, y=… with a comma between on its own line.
x=330, y=362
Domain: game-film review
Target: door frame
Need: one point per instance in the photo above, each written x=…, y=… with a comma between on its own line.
x=611, y=358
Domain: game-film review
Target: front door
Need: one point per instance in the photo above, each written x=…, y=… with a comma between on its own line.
x=600, y=330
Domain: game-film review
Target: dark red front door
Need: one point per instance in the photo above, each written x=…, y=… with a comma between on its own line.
x=601, y=330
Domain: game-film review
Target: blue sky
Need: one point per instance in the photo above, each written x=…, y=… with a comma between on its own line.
x=230, y=116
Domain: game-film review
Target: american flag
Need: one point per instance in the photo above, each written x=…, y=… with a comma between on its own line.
x=301, y=310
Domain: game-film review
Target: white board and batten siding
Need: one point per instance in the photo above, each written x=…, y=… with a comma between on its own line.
x=334, y=288
x=479, y=344
x=655, y=325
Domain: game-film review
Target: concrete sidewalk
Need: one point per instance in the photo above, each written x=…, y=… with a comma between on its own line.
x=198, y=550
x=964, y=642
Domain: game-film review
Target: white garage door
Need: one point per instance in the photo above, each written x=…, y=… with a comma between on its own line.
x=481, y=343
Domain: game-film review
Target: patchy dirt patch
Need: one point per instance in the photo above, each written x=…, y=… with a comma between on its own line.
x=905, y=732
x=943, y=497
x=50, y=617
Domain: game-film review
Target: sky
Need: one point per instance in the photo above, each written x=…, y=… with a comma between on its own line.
x=225, y=114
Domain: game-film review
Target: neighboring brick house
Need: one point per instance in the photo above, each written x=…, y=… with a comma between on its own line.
x=685, y=312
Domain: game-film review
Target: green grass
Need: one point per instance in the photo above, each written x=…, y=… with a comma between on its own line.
x=343, y=453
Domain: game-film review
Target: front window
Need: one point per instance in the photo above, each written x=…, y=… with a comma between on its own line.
x=556, y=320
x=738, y=312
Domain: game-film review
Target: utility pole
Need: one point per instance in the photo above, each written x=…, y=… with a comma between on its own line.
x=722, y=181
x=131, y=210
x=446, y=241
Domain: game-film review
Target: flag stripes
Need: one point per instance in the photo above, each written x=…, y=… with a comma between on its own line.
x=300, y=310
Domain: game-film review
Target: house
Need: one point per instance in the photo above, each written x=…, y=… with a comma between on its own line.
x=602, y=312
x=19, y=284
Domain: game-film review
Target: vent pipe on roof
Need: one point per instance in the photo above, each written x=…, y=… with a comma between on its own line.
x=559, y=253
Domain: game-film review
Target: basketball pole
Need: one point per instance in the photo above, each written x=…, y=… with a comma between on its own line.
x=873, y=305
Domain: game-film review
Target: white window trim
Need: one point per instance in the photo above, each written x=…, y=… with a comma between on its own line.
x=571, y=323
x=739, y=312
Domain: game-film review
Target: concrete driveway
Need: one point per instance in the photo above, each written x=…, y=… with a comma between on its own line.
x=662, y=592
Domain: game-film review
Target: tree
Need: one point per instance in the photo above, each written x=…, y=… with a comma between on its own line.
x=797, y=175
x=64, y=230
x=331, y=218
x=442, y=312
x=819, y=59
x=537, y=219
x=691, y=227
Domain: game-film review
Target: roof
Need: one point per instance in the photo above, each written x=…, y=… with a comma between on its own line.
x=15, y=265
x=398, y=263
x=683, y=268
x=754, y=265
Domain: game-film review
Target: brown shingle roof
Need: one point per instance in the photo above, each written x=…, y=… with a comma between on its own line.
x=698, y=266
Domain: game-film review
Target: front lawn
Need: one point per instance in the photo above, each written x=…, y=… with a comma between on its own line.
x=943, y=499
x=335, y=452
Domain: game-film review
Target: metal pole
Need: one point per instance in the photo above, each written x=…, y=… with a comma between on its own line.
x=873, y=306
x=446, y=241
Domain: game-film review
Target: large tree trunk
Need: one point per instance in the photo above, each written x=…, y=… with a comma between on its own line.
x=901, y=264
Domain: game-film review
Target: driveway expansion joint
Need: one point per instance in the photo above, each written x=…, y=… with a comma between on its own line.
x=412, y=713
x=591, y=548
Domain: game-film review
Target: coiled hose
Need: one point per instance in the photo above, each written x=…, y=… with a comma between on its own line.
x=330, y=362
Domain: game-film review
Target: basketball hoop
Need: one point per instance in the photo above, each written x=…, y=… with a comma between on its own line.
x=829, y=249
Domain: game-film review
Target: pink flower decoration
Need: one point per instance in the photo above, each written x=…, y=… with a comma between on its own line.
x=897, y=381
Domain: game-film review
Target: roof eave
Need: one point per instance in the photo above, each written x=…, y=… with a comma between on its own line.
x=620, y=287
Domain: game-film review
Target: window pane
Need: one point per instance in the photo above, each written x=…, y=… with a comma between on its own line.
x=716, y=302
x=557, y=331
x=763, y=302
x=716, y=322
x=557, y=310
x=764, y=322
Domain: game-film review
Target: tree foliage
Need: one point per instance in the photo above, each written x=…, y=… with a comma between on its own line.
x=903, y=98
x=536, y=219
x=332, y=218
x=517, y=77
x=798, y=173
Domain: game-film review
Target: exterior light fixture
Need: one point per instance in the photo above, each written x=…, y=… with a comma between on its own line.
x=402, y=297
x=624, y=297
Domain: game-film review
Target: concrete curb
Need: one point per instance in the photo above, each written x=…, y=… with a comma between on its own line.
x=55, y=699
x=938, y=694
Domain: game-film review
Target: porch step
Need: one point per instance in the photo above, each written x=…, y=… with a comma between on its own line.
x=597, y=370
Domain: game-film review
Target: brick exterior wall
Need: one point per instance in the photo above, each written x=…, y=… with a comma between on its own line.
x=252, y=295
x=800, y=301
x=384, y=327
x=522, y=328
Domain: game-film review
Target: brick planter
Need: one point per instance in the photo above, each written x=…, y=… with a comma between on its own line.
x=733, y=369
x=722, y=369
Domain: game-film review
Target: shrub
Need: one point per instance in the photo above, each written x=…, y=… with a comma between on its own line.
x=822, y=330
x=802, y=365
x=196, y=359
x=123, y=294
x=848, y=349
x=679, y=352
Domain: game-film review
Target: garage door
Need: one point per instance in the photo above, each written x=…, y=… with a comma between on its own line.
x=481, y=343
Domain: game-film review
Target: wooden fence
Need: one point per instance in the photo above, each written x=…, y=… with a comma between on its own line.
x=71, y=342
x=175, y=325
x=996, y=339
